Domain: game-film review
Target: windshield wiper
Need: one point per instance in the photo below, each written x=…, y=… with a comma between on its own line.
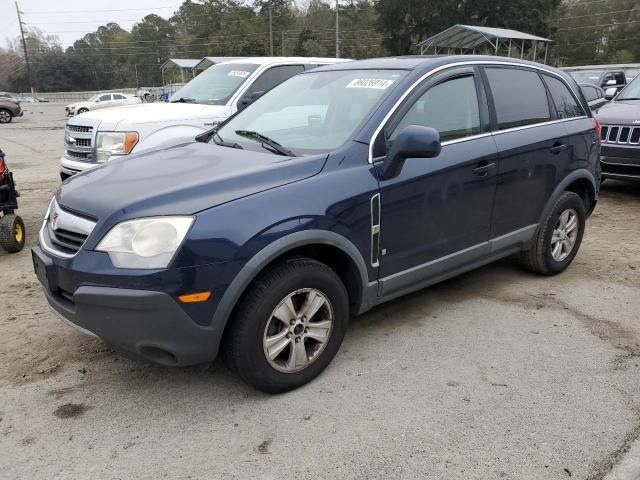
x=223, y=143
x=264, y=140
x=184, y=100
x=628, y=98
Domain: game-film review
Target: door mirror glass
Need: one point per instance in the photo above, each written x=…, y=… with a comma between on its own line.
x=610, y=93
x=610, y=82
x=414, y=141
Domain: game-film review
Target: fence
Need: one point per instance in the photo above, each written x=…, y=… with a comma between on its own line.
x=70, y=97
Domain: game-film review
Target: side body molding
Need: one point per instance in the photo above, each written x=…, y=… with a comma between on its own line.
x=298, y=239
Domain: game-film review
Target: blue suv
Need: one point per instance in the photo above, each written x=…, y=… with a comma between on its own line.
x=342, y=188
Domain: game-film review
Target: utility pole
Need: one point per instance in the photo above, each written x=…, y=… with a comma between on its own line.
x=270, y=30
x=26, y=56
x=283, y=33
x=337, y=29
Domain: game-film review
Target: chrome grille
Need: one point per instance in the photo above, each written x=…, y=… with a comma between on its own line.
x=78, y=143
x=64, y=232
x=621, y=135
x=79, y=129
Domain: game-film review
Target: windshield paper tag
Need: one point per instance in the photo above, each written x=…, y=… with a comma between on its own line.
x=238, y=73
x=377, y=83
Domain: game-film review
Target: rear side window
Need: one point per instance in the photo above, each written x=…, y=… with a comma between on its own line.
x=451, y=107
x=118, y=97
x=519, y=97
x=566, y=104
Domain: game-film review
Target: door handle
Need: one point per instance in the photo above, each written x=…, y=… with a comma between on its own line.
x=483, y=168
x=557, y=148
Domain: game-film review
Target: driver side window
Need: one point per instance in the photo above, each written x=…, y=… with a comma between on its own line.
x=104, y=98
x=451, y=107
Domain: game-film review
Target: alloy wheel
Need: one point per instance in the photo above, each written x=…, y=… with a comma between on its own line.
x=298, y=330
x=564, y=235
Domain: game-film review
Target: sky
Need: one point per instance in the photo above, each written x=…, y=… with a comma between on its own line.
x=70, y=20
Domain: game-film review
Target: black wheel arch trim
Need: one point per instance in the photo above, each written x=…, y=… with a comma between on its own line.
x=581, y=174
x=276, y=249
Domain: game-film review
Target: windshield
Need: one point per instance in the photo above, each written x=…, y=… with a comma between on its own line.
x=216, y=84
x=94, y=98
x=632, y=91
x=587, y=76
x=313, y=112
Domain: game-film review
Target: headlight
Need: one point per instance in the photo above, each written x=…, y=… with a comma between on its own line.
x=114, y=143
x=146, y=242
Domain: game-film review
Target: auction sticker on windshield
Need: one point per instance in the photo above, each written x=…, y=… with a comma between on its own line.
x=377, y=83
x=238, y=73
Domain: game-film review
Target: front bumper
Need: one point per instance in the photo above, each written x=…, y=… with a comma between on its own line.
x=620, y=162
x=71, y=167
x=144, y=324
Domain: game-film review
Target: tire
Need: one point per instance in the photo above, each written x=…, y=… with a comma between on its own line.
x=540, y=258
x=299, y=279
x=83, y=110
x=5, y=116
x=12, y=233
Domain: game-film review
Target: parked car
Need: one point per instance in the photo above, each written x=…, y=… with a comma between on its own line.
x=9, y=108
x=620, y=121
x=209, y=98
x=100, y=101
x=604, y=78
x=594, y=95
x=342, y=188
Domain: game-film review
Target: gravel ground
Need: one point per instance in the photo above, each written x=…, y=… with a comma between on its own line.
x=494, y=374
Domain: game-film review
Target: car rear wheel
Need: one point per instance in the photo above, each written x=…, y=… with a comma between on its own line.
x=5, y=116
x=559, y=237
x=289, y=326
x=12, y=233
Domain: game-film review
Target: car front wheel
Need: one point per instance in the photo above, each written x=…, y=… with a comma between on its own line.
x=289, y=326
x=558, y=238
x=5, y=116
x=83, y=110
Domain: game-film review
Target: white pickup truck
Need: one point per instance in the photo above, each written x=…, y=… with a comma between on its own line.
x=94, y=138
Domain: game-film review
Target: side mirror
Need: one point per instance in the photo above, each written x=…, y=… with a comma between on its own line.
x=610, y=82
x=610, y=93
x=249, y=99
x=414, y=141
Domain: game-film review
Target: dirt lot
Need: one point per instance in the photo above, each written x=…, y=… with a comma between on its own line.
x=495, y=374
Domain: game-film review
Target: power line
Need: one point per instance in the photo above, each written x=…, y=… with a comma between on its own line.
x=597, y=26
x=98, y=11
x=592, y=15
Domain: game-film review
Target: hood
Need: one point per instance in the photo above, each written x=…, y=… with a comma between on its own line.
x=181, y=180
x=157, y=113
x=623, y=112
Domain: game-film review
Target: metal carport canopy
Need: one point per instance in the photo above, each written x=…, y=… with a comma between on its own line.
x=470, y=37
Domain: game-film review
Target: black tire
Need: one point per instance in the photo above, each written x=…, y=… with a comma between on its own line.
x=244, y=349
x=83, y=110
x=12, y=233
x=5, y=116
x=538, y=258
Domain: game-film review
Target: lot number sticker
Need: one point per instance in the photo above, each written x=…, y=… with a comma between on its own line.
x=238, y=73
x=376, y=83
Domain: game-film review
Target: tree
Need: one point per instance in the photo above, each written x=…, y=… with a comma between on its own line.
x=407, y=22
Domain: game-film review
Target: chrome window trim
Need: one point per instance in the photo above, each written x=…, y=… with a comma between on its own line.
x=375, y=229
x=413, y=86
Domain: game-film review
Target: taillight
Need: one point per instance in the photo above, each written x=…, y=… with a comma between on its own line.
x=597, y=126
x=3, y=169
